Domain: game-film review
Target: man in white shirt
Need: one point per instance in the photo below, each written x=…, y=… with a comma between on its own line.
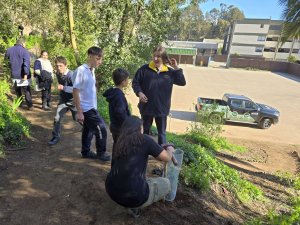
x=85, y=99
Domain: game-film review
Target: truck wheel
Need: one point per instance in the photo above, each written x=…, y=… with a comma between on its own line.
x=215, y=118
x=265, y=123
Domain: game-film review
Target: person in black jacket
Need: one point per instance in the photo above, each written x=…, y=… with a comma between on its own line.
x=65, y=85
x=118, y=106
x=153, y=84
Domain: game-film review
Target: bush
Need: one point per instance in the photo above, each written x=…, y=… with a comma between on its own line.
x=201, y=168
x=13, y=126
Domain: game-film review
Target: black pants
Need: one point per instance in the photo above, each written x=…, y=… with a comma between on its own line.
x=26, y=90
x=46, y=95
x=115, y=133
x=93, y=124
x=161, y=124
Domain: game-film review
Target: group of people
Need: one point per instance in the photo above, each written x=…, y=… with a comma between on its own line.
x=126, y=183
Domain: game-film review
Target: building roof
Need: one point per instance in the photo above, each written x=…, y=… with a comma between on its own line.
x=258, y=21
x=191, y=44
x=181, y=51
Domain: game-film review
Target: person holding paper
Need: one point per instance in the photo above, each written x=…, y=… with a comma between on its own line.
x=19, y=62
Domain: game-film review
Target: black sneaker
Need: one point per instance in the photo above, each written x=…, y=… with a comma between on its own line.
x=89, y=155
x=54, y=141
x=134, y=212
x=104, y=156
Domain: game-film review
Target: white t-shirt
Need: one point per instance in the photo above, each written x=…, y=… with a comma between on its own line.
x=85, y=82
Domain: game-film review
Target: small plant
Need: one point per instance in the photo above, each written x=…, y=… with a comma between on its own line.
x=16, y=103
x=292, y=59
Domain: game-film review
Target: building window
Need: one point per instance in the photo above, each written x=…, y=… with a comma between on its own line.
x=284, y=50
x=262, y=25
x=269, y=49
x=259, y=49
x=261, y=38
x=295, y=51
x=272, y=38
x=275, y=27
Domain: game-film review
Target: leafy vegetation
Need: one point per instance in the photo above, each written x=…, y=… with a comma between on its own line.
x=13, y=126
x=201, y=168
x=290, y=15
x=272, y=218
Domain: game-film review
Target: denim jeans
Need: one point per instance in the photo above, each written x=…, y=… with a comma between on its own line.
x=93, y=124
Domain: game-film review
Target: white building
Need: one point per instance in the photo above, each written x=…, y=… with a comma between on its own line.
x=260, y=38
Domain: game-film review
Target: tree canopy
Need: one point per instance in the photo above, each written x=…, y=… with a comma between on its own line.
x=291, y=17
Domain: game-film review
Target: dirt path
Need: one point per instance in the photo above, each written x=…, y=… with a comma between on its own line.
x=54, y=185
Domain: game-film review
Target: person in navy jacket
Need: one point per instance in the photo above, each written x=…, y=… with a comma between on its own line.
x=153, y=84
x=19, y=62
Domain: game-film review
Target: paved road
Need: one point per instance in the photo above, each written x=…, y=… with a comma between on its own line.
x=278, y=90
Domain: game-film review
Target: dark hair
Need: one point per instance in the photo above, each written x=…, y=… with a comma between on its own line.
x=119, y=75
x=43, y=51
x=163, y=53
x=61, y=59
x=130, y=139
x=20, y=41
x=95, y=51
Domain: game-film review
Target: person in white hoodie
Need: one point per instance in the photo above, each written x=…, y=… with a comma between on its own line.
x=43, y=72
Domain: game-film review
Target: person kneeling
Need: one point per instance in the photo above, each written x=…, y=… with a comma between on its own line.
x=126, y=183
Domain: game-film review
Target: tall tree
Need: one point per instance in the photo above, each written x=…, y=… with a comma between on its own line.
x=72, y=34
x=291, y=17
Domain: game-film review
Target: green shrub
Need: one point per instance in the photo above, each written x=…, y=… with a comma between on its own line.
x=201, y=168
x=103, y=107
x=13, y=126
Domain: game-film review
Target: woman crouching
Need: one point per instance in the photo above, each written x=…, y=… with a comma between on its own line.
x=126, y=183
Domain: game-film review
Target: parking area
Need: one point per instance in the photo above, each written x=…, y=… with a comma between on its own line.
x=281, y=91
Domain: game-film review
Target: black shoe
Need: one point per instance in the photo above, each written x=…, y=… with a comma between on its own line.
x=49, y=105
x=104, y=156
x=89, y=155
x=54, y=141
x=134, y=212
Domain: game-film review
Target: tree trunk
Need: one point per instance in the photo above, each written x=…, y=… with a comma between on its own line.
x=123, y=26
x=72, y=34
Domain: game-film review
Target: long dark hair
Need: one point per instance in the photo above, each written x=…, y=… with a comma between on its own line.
x=130, y=138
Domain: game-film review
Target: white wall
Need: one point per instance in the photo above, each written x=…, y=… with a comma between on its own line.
x=247, y=39
x=251, y=28
x=269, y=55
x=244, y=50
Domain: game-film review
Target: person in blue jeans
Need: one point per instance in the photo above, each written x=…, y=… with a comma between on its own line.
x=85, y=100
x=153, y=84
